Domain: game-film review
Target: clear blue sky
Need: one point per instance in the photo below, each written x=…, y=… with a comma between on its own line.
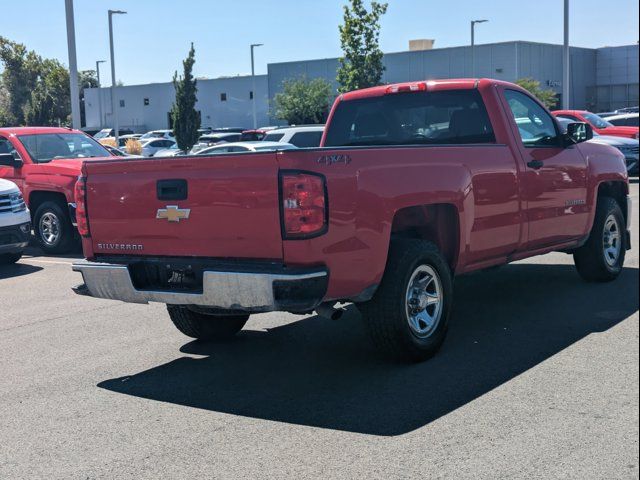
x=154, y=37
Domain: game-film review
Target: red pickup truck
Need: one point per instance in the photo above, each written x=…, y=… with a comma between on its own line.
x=414, y=183
x=45, y=164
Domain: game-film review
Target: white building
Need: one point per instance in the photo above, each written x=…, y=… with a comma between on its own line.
x=222, y=102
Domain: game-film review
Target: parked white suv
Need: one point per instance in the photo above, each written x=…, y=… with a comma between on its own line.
x=301, y=137
x=15, y=223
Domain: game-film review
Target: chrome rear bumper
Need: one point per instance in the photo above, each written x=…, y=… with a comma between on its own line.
x=247, y=291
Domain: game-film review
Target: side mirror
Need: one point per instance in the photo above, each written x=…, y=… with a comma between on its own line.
x=578, y=132
x=8, y=160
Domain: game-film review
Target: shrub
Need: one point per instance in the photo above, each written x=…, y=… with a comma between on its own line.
x=109, y=142
x=133, y=147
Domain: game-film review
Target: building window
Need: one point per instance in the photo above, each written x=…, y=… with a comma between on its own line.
x=499, y=70
x=250, y=95
x=146, y=102
x=223, y=97
x=121, y=103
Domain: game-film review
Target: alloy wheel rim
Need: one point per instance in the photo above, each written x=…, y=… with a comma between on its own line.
x=611, y=241
x=423, y=301
x=49, y=228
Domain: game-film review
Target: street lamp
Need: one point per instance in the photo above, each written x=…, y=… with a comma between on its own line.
x=253, y=86
x=473, y=46
x=114, y=110
x=98, y=62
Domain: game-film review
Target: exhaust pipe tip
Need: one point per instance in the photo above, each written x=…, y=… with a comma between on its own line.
x=327, y=310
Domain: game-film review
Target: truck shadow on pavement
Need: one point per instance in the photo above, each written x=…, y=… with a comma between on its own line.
x=322, y=374
x=17, y=270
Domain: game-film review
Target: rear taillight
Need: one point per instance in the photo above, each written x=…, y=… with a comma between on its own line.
x=304, y=205
x=81, y=207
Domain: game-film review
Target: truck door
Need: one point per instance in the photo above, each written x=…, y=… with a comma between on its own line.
x=554, y=179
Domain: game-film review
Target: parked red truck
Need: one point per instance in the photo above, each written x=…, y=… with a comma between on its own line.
x=45, y=164
x=415, y=183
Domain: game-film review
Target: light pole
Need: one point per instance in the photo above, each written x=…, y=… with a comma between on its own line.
x=114, y=109
x=253, y=86
x=473, y=46
x=73, y=66
x=98, y=62
x=565, y=59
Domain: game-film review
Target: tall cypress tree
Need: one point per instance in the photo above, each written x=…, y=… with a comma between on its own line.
x=186, y=119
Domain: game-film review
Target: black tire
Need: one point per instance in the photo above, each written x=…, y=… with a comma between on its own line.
x=64, y=239
x=10, y=258
x=205, y=327
x=387, y=315
x=591, y=259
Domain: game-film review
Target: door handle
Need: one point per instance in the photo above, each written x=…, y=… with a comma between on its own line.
x=535, y=164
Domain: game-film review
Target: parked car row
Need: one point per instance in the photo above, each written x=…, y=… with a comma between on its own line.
x=163, y=142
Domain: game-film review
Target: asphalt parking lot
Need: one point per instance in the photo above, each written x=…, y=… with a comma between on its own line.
x=538, y=379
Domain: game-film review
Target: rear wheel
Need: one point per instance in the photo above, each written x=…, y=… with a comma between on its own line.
x=53, y=229
x=205, y=327
x=408, y=316
x=9, y=258
x=602, y=257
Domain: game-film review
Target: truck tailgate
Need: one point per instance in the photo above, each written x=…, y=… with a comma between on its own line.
x=230, y=210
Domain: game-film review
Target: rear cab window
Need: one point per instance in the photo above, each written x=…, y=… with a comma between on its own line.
x=450, y=117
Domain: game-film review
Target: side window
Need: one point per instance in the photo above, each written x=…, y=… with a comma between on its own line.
x=536, y=126
x=618, y=122
x=632, y=122
x=7, y=147
x=306, y=139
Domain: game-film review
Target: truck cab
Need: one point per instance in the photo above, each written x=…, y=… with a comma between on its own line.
x=45, y=163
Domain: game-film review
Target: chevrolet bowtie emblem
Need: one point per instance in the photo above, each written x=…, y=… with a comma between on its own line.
x=173, y=213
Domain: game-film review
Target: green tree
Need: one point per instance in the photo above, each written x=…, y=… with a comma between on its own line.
x=547, y=97
x=361, y=63
x=186, y=119
x=33, y=90
x=50, y=101
x=19, y=78
x=303, y=101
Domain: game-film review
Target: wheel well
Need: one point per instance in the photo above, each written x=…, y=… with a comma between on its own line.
x=617, y=191
x=39, y=197
x=437, y=223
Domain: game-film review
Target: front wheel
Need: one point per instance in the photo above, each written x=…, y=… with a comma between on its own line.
x=53, y=229
x=601, y=258
x=205, y=327
x=408, y=317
